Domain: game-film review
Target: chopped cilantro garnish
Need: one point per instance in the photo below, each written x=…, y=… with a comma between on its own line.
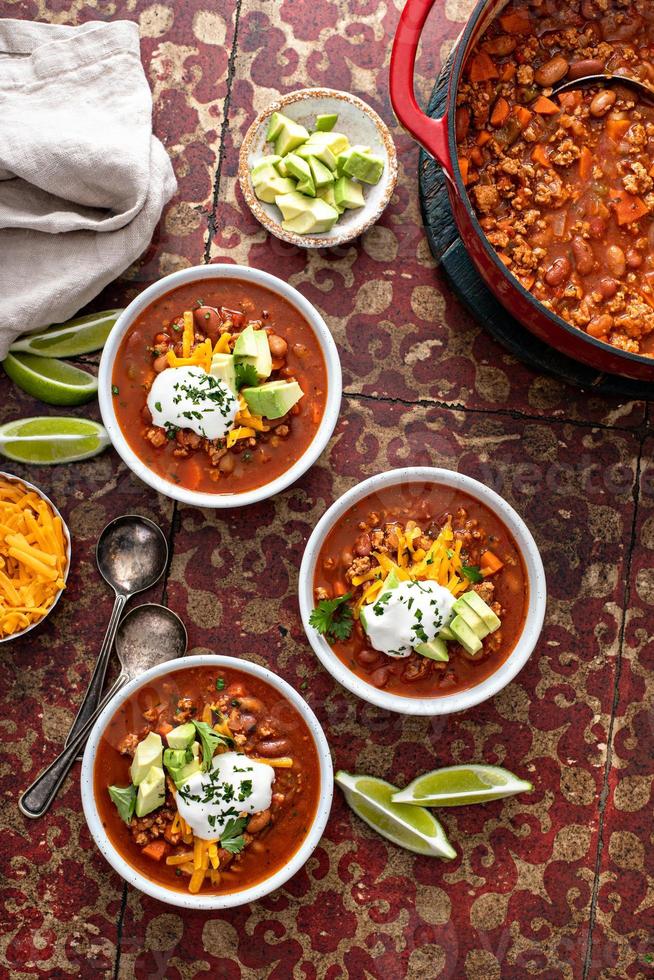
x=472, y=573
x=246, y=375
x=232, y=839
x=333, y=618
x=157, y=405
x=124, y=798
x=220, y=684
x=209, y=740
x=115, y=390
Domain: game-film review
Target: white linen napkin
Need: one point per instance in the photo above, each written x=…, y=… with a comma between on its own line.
x=82, y=179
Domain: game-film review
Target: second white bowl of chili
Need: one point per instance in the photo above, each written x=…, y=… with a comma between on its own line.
x=156, y=420
x=449, y=535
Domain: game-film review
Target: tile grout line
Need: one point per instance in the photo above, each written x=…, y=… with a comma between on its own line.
x=604, y=793
x=231, y=72
x=515, y=414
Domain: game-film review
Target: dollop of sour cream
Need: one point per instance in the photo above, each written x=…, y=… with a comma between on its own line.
x=408, y=615
x=235, y=785
x=189, y=398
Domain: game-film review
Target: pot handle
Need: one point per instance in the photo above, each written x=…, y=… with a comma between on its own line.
x=430, y=133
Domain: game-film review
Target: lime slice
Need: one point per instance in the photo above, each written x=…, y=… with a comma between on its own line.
x=49, y=380
x=51, y=439
x=80, y=336
x=412, y=827
x=458, y=785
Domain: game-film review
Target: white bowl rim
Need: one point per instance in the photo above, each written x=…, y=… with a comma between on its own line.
x=459, y=700
x=221, y=270
x=185, y=899
x=69, y=551
x=368, y=214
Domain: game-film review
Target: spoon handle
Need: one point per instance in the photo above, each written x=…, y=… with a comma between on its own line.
x=37, y=798
x=93, y=694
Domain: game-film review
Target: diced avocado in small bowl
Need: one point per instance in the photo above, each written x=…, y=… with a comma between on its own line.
x=318, y=167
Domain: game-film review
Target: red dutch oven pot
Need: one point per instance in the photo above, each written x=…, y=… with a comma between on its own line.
x=437, y=137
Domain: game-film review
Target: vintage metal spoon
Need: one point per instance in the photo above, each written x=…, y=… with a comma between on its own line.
x=147, y=636
x=644, y=91
x=131, y=554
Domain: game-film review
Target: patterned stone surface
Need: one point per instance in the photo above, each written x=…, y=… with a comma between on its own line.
x=534, y=874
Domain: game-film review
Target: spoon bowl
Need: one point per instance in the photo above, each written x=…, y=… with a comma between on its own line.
x=645, y=92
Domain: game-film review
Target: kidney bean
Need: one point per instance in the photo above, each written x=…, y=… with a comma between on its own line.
x=588, y=66
x=634, y=258
x=251, y=704
x=584, y=258
x=597, y=227
x=608, y=287
x=462, y=122
x=557, y=272
x=552, y=71
x=160, y=363
x=379, y=677
x=278, y=346
x=368, y=656
x=501, y=45
x=272, y=747
x=600, y=326
x=362, y=546
x=258, y=821
x=208, y=321
x=615, y=260
x=146, y=415
x=602, y=102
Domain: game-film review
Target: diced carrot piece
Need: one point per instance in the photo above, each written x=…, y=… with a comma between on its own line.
x=523, y=115
x=516, y=22
x=155, y=850
x=627, y=207
x=585, y=163
x=545, y=106
x=500, y=112
x=506, y=259
x=490, y=563
x=464, y=166
x=483, y=138
x=163, y=728
x=539, y=155
x=482, y=67
x=476, y=156
x=616, y=128
x=508, y=72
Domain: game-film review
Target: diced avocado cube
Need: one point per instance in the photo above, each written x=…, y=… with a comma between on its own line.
x=326, y=121
x=264, y=172
x=364, y=166
x=189, y=768
x=223, y=368
x=273, y=399
x=174, y=759
x=336, y=142
x=446, y=634
x=342, y=157
x=297, y=167
x=275, y=124
x=464, y=635
x=322, y=175
x=348, y=194
x=435, y=649
x=264, y=164
x=327, y=194
x=320, y=217
x=269, y=188
x=307, y=187
x=252, y=347
x=148, y=753
x=290, y=136
x=483, y=610
x=467, y=613
x=291, y=205
x=246, y=343
x=280, y=166
x=319, y=152
x=182, y=736
x=152, y=791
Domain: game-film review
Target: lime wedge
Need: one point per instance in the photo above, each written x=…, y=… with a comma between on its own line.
x=80, y=336
x=49, y=380
x=458, y=785
x=412, y=827
x=51, y=439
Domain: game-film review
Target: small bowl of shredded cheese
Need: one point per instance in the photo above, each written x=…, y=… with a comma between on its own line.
x=34, y=556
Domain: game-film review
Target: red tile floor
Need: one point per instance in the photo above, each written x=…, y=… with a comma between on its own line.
x=559, y=883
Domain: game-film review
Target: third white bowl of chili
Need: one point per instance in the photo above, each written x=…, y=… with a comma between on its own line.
x=422, y=591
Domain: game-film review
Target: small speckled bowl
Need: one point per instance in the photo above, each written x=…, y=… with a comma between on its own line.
x=360, y=124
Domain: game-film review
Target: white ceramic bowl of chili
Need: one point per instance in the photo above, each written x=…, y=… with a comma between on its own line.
x=228, y=899
x=332, y=403
x=442, y=704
